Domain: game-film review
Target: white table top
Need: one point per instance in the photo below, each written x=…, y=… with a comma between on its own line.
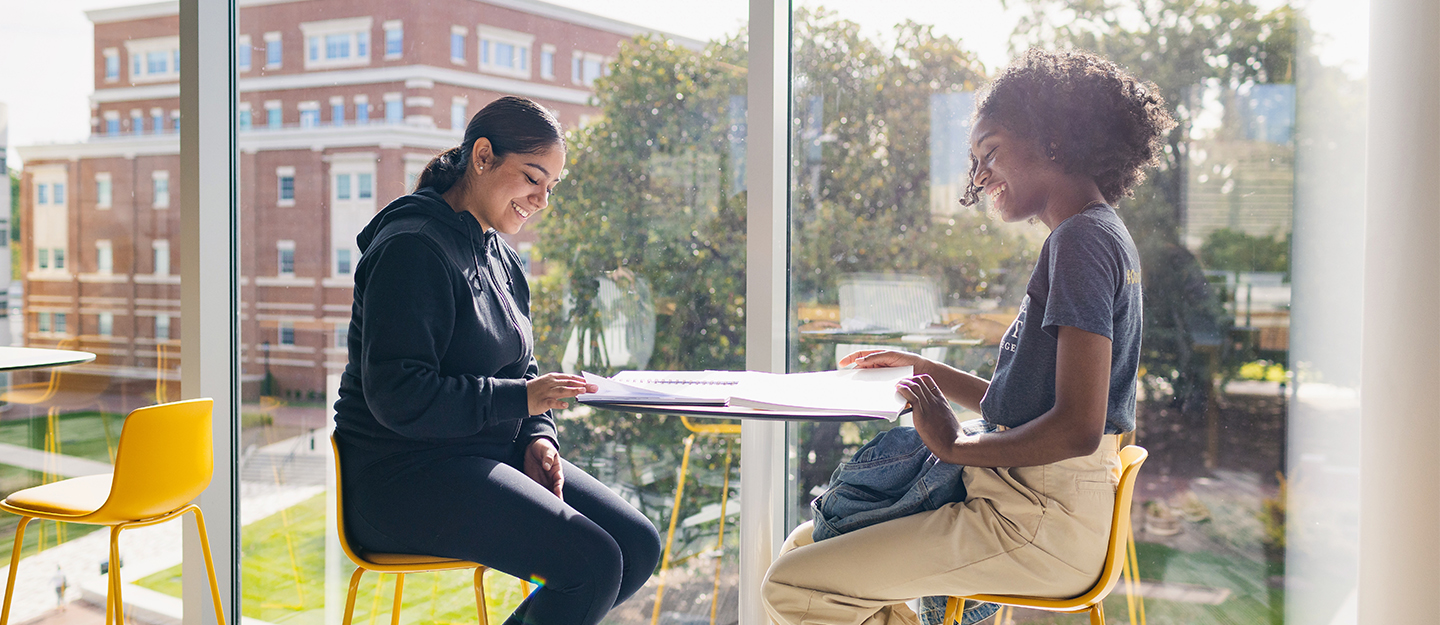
x=16, y=358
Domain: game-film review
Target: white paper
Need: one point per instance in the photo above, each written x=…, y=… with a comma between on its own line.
x=848, y=391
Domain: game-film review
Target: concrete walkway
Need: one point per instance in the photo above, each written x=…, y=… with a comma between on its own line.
x=62, y=465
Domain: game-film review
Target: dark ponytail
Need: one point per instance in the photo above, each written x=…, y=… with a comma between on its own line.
x=513, y=126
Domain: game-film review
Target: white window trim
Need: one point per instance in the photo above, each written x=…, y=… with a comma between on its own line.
x=160, y=201
x=141, y=47
x=501, y=35
x=281, y=172
x=385, y=29
x=355, y=27
x=463, y=32
x=103, y=202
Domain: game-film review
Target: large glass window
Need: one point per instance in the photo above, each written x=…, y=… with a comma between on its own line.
x=883, y=255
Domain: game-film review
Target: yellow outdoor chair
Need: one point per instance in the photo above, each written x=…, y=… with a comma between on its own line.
x=397, y=563
x=165, y=459
x=726, y=429
x=1131, y=457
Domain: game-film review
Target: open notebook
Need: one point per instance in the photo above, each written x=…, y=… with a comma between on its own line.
x=868, y=392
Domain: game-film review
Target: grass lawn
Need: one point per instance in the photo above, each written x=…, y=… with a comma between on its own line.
x=272, y=593
x=82, y=434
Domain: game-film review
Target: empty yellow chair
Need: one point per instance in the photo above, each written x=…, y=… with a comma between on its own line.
x=165, y=459
x=1131, y=457
x=397, y=563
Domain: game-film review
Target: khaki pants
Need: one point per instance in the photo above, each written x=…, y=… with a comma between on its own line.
x=1039, y=531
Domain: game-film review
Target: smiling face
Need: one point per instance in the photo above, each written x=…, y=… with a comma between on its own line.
x=1012, y=170
x=503, y=193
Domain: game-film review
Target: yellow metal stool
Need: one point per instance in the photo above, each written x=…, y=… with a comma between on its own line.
x=1121, y=544
x=165, y=459
x=398, y=563
x=722, y=429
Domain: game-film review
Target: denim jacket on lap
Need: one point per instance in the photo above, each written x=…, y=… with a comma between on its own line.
x=892, y=476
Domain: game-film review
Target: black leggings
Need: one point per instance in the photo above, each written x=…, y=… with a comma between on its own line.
x=589, y=552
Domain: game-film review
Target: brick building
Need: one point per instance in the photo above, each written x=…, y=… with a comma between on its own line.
x=342, y=102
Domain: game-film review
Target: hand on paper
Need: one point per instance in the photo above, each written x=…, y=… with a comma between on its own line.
x=548, y=391
x=542, y=464
x=934, y=420
x=877, y=358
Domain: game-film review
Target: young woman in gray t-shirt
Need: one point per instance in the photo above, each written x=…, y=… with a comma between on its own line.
x=1059, y=138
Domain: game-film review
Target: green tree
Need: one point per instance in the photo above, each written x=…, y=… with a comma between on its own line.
x=1234, y=250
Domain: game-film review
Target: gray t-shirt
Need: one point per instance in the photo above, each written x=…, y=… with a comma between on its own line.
x=1088, y=277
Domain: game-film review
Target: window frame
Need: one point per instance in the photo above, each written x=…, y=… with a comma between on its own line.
x=318, y=36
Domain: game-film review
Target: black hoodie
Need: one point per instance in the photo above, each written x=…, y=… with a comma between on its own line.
x=440, y=340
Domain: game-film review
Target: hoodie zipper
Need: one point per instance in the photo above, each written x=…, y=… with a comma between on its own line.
x=507, y=300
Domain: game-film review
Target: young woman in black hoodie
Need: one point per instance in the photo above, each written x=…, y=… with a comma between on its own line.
x=443, y=422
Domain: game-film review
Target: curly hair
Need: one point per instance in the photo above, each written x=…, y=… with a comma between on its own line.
x=1091, y=116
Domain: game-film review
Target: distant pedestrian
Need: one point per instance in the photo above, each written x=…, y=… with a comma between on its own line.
x=61, y=584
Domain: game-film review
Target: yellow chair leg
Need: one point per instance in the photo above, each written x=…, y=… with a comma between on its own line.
x=209, y=563
x=14, y=564
x=1134, y=561
x=670, y=534
x=952, y=608
x=1097, y=614
x=350, y=596
x=720, y=541
x=479, y=596
x=395, y=609
x=116, y=598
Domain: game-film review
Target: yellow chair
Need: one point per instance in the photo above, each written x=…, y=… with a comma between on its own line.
x=722, y=429
x=1131, y=457
x=165, y=459
x=396, y=563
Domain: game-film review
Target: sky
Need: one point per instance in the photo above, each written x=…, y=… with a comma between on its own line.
x=46, y=47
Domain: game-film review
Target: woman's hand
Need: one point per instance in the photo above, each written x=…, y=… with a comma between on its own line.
x=548, y=391
x=877, y=358
x=935, y=422
x=542, y=464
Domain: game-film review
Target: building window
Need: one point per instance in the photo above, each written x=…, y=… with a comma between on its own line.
x=576, y=59
x=337, y=111
x=104, y=258
x=364, y=186
x=161, y=248
x=394, y=39
x=342, y=261
x=105, y=324
x=594, y=68
x=59, y=189
x=137, y=123
x=285, y=181
x=286, y=257
x=342, y=336
x=309, y=114
x=157, y=121
x=245, y=120
x=112, y=123
x=457, y=44
x=337, y=43
x=60, y=323
x=342, y=186
x=103, y=194
x=42, y=322
x=175, y=121
x=162, y=327
x=161, y=182
x=273, y=50
x=42, y=258
x=153, y=59
x=362, y=109
x=287, y=333
x=274, y=115
x=547, y=62
x=458, y=116
x=505, y=51
x=394, y=109
x=112, y=64
x=59, y=258
x=242, y=52
x=42, y=193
